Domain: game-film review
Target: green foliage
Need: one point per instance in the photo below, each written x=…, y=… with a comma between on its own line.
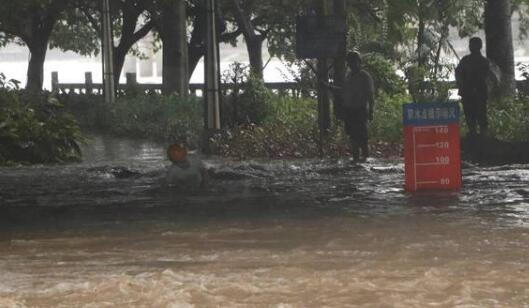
x=291, y=131
x=301, y=72
x=384, y=75
x=508, y=119
x=155, y=117
x=387, y=120
x=25, y=19
x=248, y=99
x=168, y=117
x=290, y=128
x=34, y=128
x=73, y=32
x=427, y=86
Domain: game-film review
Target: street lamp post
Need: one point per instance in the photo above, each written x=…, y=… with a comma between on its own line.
x=107, y=53
x=212, y=84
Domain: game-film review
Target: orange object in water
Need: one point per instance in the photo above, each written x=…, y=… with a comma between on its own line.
x=176, y=153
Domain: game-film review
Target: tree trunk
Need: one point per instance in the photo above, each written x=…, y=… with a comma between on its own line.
x=498, y=31
x=195, y=54
x=35, y=72
x=119, y=61
x=422, y=57
x=254, y=41
x=254, y=46
x=196, y=47
x=175, y=58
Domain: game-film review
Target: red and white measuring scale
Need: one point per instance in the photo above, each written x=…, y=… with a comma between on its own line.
x=432, y=150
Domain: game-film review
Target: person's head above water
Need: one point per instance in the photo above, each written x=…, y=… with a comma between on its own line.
x=475, y=44
x=177, y=153
x=354, y=61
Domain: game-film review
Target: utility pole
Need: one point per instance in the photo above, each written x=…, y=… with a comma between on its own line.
x=211, y=74
x=339, y=61
x=324, y=111
x=211, y=92
x=108, y=59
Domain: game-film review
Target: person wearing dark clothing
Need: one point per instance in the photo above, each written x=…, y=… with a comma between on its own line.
x=358, y=104
x=471, y=77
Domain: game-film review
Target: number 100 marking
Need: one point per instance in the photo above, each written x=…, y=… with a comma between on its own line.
x=443, y=160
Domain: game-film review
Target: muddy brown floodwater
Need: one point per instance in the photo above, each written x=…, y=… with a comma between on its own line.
x=295, y=233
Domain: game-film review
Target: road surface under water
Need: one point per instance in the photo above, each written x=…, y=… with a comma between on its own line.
x=294, y=233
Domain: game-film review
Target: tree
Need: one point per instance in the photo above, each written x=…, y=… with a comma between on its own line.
x=196, y=46
x=253, y=35
x=498, y=31
x=171, y=23
x=131, y=22
x=31, y=23
x=259, y=21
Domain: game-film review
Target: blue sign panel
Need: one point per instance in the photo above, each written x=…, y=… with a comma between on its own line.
x=431, y=114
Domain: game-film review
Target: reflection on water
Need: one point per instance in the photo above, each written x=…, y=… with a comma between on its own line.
x=282, y=233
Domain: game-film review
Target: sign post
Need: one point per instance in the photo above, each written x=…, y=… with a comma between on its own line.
x=432, y=150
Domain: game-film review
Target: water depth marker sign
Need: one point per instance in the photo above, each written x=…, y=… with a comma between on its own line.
x=432, y=150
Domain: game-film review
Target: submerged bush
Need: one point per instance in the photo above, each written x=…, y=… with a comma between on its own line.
x=247, y=101
x=508, y=119
x=155, y=117
x=291, y=130
x=167, y=118
x=35, y=127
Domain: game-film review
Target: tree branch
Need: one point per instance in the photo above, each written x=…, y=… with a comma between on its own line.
x=138, y=35
x=244, y=22
x=230, y=36
x=91, y=19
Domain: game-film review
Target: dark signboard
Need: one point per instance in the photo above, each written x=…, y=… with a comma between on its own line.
x=320, y=36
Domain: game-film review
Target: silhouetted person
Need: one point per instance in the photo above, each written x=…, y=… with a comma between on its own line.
x=358, y=104
x=471, y=77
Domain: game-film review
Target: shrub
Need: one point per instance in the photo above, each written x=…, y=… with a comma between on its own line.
x=508, y=119
x=384, y=74
x=247, y=102
x=35, y=128
x=291, y=130
x=387, y=119
x=167, y=118
x=89, y=110
x=156, y=117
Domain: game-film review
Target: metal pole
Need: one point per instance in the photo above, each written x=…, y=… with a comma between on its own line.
x=211, y=74
x=107, y=52
x=323, y=78
x=339, y=61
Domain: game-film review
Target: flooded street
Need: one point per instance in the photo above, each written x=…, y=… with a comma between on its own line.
x=108, y=232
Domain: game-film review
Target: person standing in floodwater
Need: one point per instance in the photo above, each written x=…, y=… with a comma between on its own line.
x=186, y=172
x=471, y=77
x=358, y=105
